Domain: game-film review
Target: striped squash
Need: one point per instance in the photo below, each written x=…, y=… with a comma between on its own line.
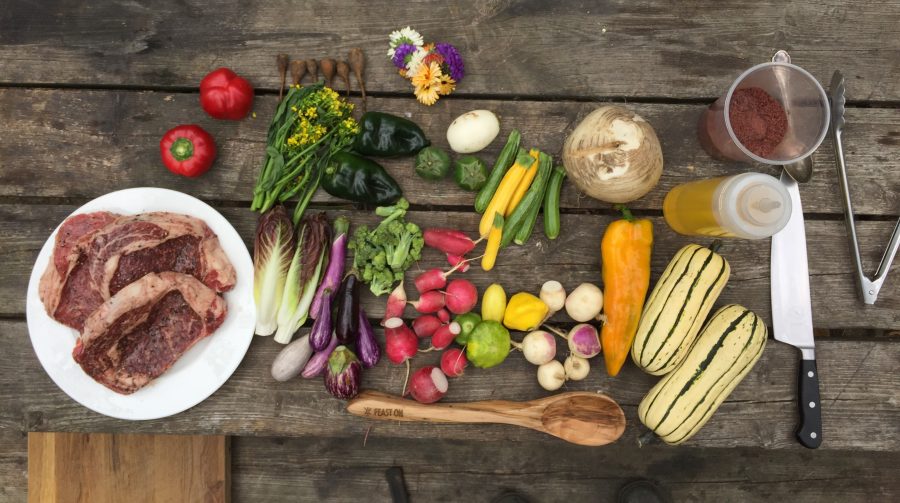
x=681, y=403
x=677, y=307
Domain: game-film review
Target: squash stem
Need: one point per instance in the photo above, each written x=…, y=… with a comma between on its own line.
x=715, y=245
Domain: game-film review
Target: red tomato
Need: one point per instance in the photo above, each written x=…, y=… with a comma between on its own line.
x=187, y=150
x=226, y=95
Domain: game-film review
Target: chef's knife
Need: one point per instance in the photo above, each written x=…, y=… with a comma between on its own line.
x=792, y=312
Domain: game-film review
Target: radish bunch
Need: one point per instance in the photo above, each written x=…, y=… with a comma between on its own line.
x=440, y=298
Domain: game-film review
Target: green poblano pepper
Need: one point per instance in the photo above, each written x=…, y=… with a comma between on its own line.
x=354, y=178
x=386, y=135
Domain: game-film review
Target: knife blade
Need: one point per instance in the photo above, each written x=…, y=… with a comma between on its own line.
x=792, y=312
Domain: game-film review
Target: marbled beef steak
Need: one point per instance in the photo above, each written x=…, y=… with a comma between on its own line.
x=98, y=254
x=139, y=332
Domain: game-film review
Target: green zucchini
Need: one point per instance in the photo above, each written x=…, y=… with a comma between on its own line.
x=551, y=202
x=506, y=159
x=543, y=178
x=684, y=400
x=677, y=307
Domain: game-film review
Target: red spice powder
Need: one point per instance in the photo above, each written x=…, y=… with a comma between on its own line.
x=758, y=120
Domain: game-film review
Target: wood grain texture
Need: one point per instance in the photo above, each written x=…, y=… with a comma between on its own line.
x=511, y=47
x=859, y=382
x=468, y=470
x=102, y=467
x=304, y=469
x=13, y=464
x=82, y=144
x=571, y=259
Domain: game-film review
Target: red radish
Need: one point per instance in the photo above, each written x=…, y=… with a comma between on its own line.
x=444, y=315
x=448, y=241
x=428, y=384
x=454, y=362
x=396, y=304
x=435, y=279
x=461, y=296
x=425, y=325
x=401, y=343
x=444, y=335
x=454, y=260
x=429, y=302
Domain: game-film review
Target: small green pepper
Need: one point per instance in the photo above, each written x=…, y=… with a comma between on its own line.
x=386, y=135
x=471, y=173
x=432, y=163
x=354, y=178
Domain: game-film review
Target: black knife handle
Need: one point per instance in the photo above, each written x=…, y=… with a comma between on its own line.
x=810, y=432
x=397, y=484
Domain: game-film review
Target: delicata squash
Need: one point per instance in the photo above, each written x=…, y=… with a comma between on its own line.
x=684, y=400
x=677, y=307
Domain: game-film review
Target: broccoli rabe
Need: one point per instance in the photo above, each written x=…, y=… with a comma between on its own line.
x=384, y=253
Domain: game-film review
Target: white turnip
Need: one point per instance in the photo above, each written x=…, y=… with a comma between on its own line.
x=585, y=302
x=551, y=375
x=577, y=368
x=553, y=294
x=538, y=347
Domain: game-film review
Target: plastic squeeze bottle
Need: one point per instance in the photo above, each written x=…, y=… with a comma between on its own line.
x=750, y=206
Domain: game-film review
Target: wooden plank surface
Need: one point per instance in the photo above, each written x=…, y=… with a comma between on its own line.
x=340, y=469
x=81, y=144
x=859, y=382
x=569, y=48
x=467, y=470
x=70, y=467
x=571, y=259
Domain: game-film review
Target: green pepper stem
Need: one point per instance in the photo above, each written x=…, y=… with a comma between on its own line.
x=182, y=149
x=626, y=213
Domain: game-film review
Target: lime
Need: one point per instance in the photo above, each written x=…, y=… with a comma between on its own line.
x=467, y=323
x=488, y=344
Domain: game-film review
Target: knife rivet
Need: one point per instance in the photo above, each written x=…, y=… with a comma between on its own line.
x=812, y=405
x=810, y=373
x=813, y=435
x=871, y=292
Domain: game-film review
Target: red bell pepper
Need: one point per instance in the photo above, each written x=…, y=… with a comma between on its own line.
x=187, y=150
x=226, y=95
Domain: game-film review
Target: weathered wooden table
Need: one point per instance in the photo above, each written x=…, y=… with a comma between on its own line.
x=88, y=89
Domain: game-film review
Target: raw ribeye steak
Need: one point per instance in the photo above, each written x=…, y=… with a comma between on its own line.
x=87, y=271
x=142, y=330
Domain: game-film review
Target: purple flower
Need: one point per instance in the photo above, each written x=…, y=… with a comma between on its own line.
x=452, y=59
x=401, y=53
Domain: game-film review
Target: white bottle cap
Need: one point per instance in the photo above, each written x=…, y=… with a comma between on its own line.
x=752, y=205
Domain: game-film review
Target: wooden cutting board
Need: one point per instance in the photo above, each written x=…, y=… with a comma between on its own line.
x=102, y=467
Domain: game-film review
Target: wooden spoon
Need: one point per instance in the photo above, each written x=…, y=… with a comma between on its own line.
x=579, y=417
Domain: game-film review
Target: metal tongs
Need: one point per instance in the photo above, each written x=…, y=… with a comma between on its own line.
x=868, y=287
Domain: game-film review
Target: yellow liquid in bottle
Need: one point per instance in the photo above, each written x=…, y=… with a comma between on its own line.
x=689, y=208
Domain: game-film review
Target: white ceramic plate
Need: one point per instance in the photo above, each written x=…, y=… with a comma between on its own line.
x=200, y=371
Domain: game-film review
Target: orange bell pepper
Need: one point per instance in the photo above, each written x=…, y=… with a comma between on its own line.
x=625, y=248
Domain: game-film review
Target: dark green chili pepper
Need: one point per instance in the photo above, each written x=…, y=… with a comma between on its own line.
x=386, y=135
x=354, y=178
